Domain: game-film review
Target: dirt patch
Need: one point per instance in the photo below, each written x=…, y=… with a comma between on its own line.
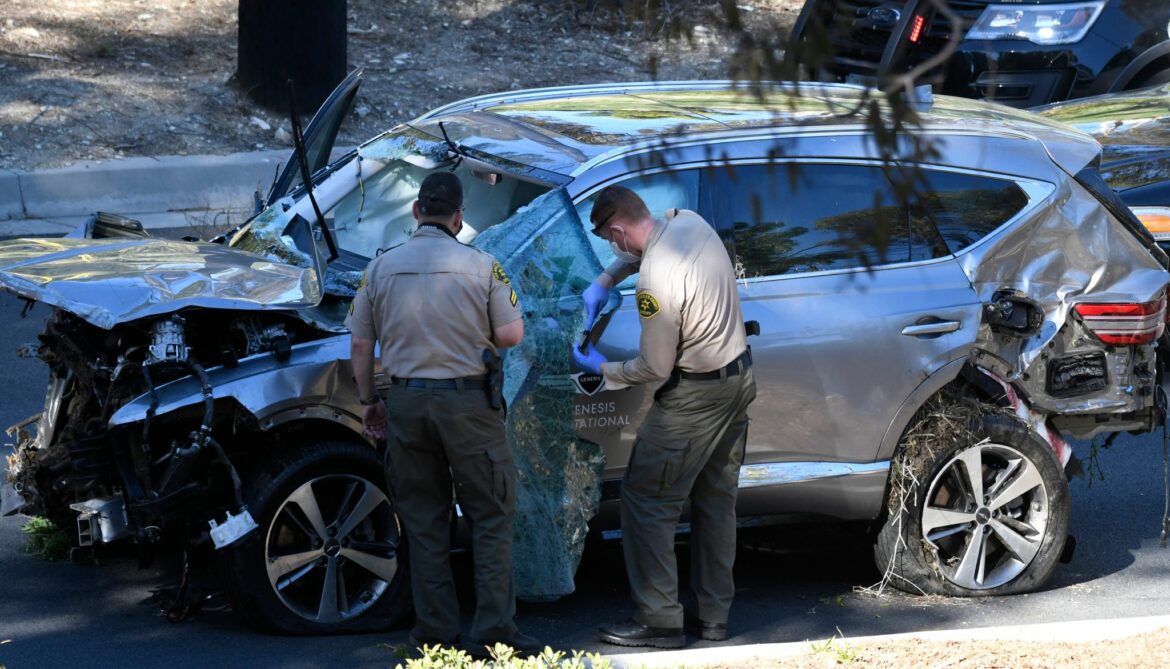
x=100, y=79
x=1145, y=650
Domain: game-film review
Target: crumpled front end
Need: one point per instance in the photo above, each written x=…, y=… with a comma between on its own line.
x=108, y=281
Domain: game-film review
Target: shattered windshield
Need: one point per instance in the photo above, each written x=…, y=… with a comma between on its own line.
x=366, y=203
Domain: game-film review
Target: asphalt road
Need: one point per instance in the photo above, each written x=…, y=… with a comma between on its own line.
x=791, y=585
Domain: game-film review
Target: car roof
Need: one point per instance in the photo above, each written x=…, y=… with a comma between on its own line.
x=561, y=129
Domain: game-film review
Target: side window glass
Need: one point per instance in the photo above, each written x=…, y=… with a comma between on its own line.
x=788, y=218
x=660, y=192
x=966, y=208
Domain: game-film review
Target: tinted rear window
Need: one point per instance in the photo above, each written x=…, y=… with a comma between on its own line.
x=966, y=208
x=791, y=218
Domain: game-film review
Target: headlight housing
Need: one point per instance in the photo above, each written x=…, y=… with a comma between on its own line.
x=1039, y=24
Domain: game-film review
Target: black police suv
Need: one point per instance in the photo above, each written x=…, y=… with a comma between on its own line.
x=1023, y=53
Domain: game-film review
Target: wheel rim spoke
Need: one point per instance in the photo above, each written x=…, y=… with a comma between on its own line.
x=934, y=518
x=308, y=537
x=286, y=564
x=970, y=570
x=383, y=568
x=307, y=501
x=1023, y=548
x=371, y=499
x=327, y=610
x=1026, y=480
x=972, y=460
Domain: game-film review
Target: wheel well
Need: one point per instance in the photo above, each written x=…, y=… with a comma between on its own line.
x=1158, y=66
x=250, y=449
x=972, y=383
x=314, y=429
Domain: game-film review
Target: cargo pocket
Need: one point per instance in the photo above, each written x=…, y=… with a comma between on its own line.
x=655, y=466
x=503, y=473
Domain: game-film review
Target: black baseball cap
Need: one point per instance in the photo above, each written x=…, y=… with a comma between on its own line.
x=441, y=194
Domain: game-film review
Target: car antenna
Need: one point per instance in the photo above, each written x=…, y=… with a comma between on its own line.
x=459, y=151
x=303, y=159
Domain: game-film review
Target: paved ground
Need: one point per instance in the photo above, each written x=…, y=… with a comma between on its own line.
x=791, y=585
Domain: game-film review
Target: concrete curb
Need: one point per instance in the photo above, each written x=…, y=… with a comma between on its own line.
x=11, y=202
x=1069, y=631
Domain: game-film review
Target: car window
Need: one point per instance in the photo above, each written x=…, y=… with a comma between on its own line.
x=660, y=192
x=967, y=207
x=787, y=218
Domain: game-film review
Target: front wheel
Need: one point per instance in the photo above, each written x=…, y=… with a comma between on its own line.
x=329, y=555
x=988, y=515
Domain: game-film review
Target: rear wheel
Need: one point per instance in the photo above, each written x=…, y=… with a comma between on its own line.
x=988, y=516
x=329, y=555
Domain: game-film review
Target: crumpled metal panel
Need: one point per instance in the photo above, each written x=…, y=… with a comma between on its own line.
x=1068, y=247
x=107, y=282
x=544, y=250
x=316, y=373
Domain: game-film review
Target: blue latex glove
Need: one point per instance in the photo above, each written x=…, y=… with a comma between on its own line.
x=590, y=360
x=595, y=297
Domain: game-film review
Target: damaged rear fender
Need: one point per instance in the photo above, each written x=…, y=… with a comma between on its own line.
x=925, y=390
x=316, y=382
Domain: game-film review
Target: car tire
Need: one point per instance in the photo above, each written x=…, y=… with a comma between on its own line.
x=942, y=542
x=353, y=578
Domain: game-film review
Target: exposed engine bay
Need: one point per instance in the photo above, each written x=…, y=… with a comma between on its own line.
x=69, y=457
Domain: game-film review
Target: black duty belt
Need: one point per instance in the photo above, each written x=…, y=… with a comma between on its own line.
x=465, y=383
x=733, y=368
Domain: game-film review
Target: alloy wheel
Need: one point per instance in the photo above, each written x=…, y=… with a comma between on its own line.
x=331, y=548
x=985, y=515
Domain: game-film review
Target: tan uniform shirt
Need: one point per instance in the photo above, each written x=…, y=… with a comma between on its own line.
x=432, y=305
x=687, y=301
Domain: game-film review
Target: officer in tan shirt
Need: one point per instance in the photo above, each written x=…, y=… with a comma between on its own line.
x=434, y=305
x=691, y=443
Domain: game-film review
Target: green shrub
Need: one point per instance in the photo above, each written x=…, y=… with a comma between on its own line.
x=438, y=657
x=45, y=540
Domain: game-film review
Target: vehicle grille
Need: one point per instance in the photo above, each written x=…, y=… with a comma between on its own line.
x=859, y=44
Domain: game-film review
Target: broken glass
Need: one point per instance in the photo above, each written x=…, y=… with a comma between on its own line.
x=545, y=252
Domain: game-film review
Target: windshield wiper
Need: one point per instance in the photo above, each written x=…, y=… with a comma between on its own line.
x=303, y=159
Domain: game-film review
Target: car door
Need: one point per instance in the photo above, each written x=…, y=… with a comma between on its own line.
x=858, y=298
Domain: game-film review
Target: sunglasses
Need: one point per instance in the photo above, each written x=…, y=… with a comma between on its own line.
x=597, y=228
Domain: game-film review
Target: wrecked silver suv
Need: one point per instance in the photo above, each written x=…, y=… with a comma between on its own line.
x=922, y=379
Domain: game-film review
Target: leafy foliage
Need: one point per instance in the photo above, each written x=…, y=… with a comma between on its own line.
x=504, y=657
x=46, y=540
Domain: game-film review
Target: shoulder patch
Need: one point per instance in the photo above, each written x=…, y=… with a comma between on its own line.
x=647, y=304
x=499, y=274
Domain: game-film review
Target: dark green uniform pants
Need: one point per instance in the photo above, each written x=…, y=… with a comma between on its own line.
x=690, y=446
x=436, y=437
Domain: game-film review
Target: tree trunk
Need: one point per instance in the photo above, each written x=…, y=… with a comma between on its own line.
x=302, y=40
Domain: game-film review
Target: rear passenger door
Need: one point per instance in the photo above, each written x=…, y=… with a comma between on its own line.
x=858, y=298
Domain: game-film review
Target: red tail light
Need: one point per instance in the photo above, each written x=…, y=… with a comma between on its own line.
x=916, y=30
x=1125, y=324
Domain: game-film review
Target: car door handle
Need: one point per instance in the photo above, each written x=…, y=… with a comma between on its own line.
x=931, y=328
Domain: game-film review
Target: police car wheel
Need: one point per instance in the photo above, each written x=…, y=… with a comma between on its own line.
x=988, y=517
x=329, y=555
